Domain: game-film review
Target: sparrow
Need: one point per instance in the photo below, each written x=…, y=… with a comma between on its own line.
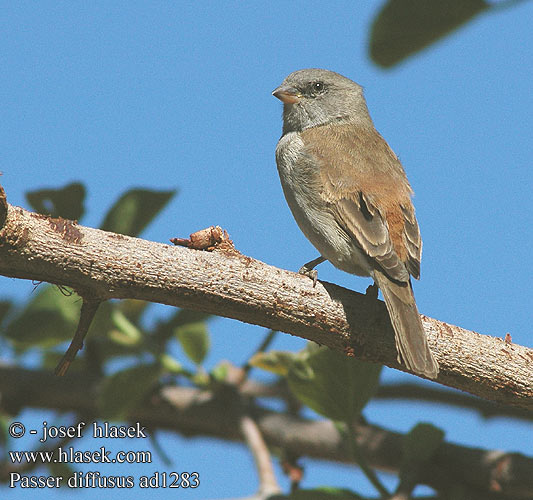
x=351, y=198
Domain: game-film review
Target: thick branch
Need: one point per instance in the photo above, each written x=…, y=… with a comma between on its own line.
x=192, y=412
x=228, y=284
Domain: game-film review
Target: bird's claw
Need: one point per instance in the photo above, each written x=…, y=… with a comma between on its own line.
x=311, y=273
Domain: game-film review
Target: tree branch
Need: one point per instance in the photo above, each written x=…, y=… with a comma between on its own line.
x=268, y=485
x=229, y=284
x=406, y=391
x=88, y=310
x=192, y=412
x=432, y=394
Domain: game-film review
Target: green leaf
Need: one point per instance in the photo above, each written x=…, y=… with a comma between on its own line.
x=133, y=309
x=334, y=385
x=171, y=365
x=5, y=422
x=194, y=340
x=403, y=27
x=277, y=362
x=200, y=379
x=186, y=316
x=50, y=318
x=166, y=329
x=125, y=332
x=66, y=202
x=126, y=389
x=134, y=210
x=219, y=373
x=319, y=494
x=419, y=446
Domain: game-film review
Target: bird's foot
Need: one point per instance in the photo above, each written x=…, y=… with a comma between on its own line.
x=309, y=270
x=311, y=273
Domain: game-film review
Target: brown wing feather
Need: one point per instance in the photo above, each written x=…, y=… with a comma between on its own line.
x=412, y=240
x=372, y=235
x=368, y=191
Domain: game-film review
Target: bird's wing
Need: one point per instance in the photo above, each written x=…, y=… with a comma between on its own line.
x=367, y=190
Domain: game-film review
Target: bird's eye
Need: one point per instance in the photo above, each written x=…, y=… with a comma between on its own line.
x=314, y=89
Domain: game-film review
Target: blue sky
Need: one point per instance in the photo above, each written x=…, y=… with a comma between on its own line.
x=178, y=95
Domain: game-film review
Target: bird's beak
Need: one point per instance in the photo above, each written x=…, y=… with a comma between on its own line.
x=287, y=95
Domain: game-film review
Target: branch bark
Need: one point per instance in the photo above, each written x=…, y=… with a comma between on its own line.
x=268, y=485
x=229, y=284
x=192, y=412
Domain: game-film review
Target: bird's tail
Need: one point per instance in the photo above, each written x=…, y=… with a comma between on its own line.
x=411, y=340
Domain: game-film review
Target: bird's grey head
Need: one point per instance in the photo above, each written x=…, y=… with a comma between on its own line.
x=314, y=97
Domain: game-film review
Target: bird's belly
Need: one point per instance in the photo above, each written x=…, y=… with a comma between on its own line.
x=332, y=242
x=312, y=214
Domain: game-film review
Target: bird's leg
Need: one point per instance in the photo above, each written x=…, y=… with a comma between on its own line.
x=372, y=291
x=308, y=269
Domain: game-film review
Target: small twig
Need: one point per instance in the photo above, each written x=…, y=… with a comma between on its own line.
x=254, y=439
x=292, y=470
x=88, y=310
x=363, y=464
x=159, y=450
x=206, y=239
